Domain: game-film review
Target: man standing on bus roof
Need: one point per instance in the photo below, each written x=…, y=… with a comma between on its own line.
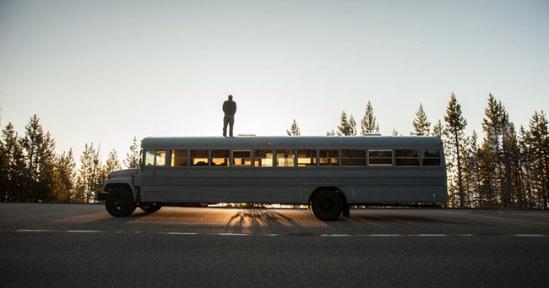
x=229, y=107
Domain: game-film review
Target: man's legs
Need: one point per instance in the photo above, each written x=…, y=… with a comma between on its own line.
x=231, y=123
x=225, y=122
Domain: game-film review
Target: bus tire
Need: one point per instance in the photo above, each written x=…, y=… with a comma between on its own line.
x=327, y=205
x=150, y=207
x=120, y=202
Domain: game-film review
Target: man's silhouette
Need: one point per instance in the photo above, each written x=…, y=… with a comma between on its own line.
x=229, y=107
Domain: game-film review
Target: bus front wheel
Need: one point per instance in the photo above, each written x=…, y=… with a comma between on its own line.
x=120, y=202
x=327, y=205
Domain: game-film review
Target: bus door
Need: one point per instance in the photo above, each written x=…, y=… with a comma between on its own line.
x=154, y=162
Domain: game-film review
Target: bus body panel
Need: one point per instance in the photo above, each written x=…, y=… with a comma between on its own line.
x=364, y=184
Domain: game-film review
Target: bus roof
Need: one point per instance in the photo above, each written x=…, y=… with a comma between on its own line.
x=372, y=142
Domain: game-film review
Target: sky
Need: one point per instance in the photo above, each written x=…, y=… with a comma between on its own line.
x=106, y=71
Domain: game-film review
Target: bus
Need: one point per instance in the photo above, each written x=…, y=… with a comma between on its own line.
x=327, y=173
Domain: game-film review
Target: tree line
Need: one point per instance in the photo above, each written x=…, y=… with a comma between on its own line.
x=506, y=168
x=31, y=171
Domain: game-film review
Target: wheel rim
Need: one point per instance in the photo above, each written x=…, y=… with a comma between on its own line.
x=120, y=203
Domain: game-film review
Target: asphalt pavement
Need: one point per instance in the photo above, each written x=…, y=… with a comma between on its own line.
x=45, y=245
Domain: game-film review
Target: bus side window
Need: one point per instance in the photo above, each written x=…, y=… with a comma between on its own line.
x=285, y=158
x=242, y=158
x=160, y=158
x=380, y=157
x=220, y=157
x=431, y=157
x=353, y=157
x=149, y=157
x=306, y=158
x=406, y=157
x=328, y=157
x=199, y=157
x=180, y=158
x=263, y=158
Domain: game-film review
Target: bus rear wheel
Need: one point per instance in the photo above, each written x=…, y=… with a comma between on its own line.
x=150, y=207
x=120, y=202
x=327, y=205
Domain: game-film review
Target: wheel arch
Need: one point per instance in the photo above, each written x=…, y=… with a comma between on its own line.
x=112, y=185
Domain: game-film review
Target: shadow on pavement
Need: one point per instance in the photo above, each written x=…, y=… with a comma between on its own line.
x=259, y=220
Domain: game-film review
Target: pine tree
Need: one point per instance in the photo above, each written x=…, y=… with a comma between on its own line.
x=39, y=154
x=395, y=132
x=352, y=125
x=64, y=177
x=498, y=147
x=87, y=182
x=132, y=157
x=112, y=163
x=491, y=149
x=474, y=166
x=527, y=168
x=343, y=127
x=347, y=126
x=46, y=162
x=33, y=137
x=470, y=171
x=454, y=132
x=330, y=133
x=437, y=129
x=513, y=183
x=422, y=126
x=487, y=197
x=15, y=165
x=537, y=141
x=369, y=123
x=294, y=130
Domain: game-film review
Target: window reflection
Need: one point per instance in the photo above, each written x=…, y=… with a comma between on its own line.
x=160, y=158
x=199, y=157
x=179, y=158
x=220, y=157
x=149, y=158
x=263, y=158
x=306, y=158
x=285, y=158
x=242, y=158
x=328, y=157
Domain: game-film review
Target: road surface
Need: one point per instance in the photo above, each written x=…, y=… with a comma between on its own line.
x=81, y=245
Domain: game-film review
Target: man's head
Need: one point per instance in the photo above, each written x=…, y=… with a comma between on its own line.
x=230, y=97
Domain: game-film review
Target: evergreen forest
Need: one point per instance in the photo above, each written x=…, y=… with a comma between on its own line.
x=502, y=166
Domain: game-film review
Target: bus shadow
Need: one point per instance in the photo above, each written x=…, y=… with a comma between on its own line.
x=259, y=220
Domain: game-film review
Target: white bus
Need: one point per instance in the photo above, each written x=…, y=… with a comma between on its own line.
x=329, y=174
